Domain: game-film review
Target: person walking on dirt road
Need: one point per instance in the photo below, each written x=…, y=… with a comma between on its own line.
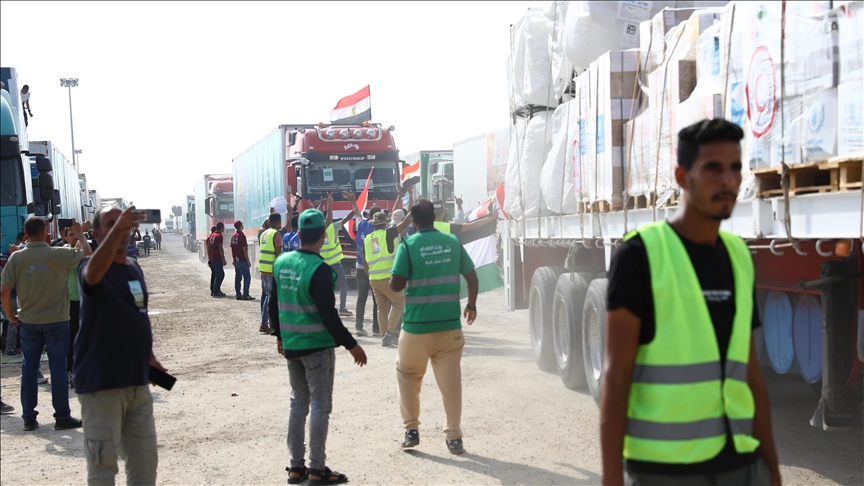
x=271, y=247
x=113, y=356
x=332, y=254
x=683, y=400
x=216, y=260
x=429, y=264
x=40, y=273
x=379, y=249
x=240, y=255
x=303, y=309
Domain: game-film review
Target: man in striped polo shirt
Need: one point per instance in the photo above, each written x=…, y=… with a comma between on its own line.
x=429, y=264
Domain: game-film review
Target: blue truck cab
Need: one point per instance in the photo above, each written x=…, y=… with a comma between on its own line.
x=16, y=192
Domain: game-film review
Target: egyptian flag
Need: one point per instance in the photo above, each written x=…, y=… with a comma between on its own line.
x=361, y=205
x=354, y=109
x=410, y=174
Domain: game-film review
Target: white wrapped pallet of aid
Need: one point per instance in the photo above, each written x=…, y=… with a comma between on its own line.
x=559, y=177
x=538, y=71
x=529, y=145
x=850, y=91
x=594, y=28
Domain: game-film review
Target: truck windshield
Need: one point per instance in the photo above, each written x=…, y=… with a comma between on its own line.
x=224, y=208
x=12, y=191
x=322, y=178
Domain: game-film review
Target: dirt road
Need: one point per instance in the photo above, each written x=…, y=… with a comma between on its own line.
x=521, y=425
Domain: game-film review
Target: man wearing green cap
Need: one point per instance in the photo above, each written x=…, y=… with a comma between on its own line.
x=309, y=328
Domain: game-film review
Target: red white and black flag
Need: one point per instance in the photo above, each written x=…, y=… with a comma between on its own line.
x=410, y=174
x=354, y=109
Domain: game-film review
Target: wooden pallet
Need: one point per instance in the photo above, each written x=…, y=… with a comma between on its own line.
x=595, y=207
x=839, y=174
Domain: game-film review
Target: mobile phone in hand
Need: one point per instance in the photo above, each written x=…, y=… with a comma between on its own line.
x=64, y=223
x=151, y=215
x=160, y=378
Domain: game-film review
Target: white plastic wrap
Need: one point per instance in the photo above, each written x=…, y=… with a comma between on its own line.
x=593, y=28
x=558, y=178
x=538, y=71
x=526, y=157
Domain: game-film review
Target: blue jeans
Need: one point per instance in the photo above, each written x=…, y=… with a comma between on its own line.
x=311, y=378
x=34, y=337
x=217, y=275
x=266, y=289
x=241, y=271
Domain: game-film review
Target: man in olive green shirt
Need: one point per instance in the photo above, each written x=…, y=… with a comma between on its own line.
x=40, y=273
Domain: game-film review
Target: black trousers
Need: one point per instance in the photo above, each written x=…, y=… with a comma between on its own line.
x=363, y=291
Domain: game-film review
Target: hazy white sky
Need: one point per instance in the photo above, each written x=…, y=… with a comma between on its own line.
x=169, y=91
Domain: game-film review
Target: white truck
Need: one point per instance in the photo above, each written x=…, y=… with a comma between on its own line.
x=800, y=210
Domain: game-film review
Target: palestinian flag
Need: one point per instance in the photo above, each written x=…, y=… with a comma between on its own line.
x=410, y=174
x=482, y=247
x=354, y=109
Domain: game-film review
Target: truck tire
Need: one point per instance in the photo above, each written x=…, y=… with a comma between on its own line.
x=540, y=315
x=567, y=328
x=594, y=335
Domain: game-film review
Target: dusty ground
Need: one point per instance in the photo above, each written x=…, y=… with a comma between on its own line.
x=521, y=425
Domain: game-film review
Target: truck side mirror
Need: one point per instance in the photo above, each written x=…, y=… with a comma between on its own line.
x=55, y=203
x=46, y=186
x=43, y=164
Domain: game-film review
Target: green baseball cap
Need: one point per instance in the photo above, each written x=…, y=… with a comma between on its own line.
x=310, y=219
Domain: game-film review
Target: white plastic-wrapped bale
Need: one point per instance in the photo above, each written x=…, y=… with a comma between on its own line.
x=558, y=178
x=538, y=71
x=593, y=28
x=529, y=145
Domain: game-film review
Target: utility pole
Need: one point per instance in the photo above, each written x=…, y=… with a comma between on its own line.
x=71, y=83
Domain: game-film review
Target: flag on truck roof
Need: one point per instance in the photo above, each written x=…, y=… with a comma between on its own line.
x=354, y=109
x=410, y=174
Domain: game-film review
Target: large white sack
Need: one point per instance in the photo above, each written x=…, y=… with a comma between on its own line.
x=512, y=184
x=558, y=177
x=539, y=73
x=594, y=28
x=527, y=155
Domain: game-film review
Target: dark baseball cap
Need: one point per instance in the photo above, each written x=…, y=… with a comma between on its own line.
x=438, y=205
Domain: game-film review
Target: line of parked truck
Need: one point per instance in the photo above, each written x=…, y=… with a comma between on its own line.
x=302, y=164
x=36, y=178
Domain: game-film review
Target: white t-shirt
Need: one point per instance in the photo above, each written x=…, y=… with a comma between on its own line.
x=25, y=97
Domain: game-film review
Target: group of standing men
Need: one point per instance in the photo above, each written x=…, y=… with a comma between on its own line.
x=420, y=273
x=112, y=347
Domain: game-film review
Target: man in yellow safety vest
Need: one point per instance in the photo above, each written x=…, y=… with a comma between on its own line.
x=271, y=247
x=682, y=398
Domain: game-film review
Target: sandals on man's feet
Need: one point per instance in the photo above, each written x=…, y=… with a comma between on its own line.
x=303, y=474
x=327, y=476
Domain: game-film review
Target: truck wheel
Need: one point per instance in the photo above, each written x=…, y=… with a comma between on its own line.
x=567, y=328
x=540, y=315
x=594, y=335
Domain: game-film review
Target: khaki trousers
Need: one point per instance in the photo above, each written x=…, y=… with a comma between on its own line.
x=445, y=350
x=119, y=421
x=384, y=297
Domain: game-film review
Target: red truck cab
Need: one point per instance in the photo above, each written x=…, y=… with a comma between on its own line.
x=326, y=159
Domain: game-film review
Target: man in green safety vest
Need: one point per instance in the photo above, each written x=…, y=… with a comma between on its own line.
x=303, y=309
x=683, y=400
x=331, y=252
x=379, y=250
x=271, y=246
x=429, y=264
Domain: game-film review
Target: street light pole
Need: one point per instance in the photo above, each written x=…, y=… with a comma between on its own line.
x=71, y=83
